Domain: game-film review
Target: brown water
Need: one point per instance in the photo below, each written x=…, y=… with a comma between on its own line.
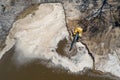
x=36, y=71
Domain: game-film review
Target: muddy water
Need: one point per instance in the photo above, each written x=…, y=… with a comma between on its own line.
x=37, y=71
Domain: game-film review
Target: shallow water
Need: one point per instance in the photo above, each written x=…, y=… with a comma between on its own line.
x=37, y=71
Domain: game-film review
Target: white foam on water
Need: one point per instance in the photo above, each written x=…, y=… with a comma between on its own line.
x=76, y=63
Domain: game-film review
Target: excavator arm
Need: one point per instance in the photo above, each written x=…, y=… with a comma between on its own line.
x=74, y=41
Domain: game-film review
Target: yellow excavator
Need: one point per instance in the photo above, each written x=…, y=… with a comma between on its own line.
x=76, y=35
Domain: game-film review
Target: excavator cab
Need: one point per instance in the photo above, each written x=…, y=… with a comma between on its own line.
x=78, y=30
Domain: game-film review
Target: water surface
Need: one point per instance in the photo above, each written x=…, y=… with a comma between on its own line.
x=37, y=71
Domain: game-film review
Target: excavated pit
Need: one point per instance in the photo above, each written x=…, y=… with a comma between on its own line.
x=63, y=48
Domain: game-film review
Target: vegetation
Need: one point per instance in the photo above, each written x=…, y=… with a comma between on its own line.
x=100, y=17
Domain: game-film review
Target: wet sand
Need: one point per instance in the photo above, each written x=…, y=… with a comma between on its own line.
x=37, y=71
